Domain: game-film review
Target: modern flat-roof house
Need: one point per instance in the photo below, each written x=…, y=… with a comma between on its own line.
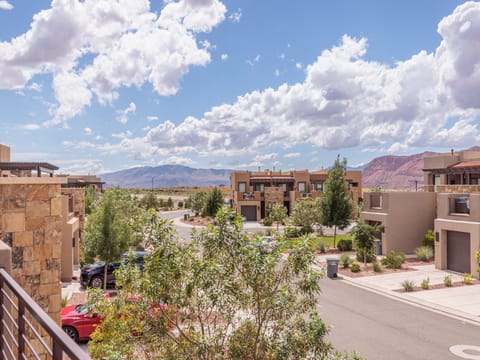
x=449, y=203
x=254, y=193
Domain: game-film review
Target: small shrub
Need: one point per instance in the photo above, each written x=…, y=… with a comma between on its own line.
x=322, y=247
x=180, y=204
x=429, y=239
x=345, y=261
x=268, y=221
x=467, y=278
x=425, y=284
x=394, y=260
x=344, y=245
x=408, y=285
x=64, y=302
x=424, y=253
x=447, y=281
x=377, y=267
x=370, y=256
x=291, y=232
x=355, y=268
x=306, y=229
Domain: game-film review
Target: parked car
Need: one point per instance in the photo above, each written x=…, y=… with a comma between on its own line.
x=92, y=274
x=80, y=321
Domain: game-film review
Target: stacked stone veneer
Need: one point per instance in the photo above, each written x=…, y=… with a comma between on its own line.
x=31, y=224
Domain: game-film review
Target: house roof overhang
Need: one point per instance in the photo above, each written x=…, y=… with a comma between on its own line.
x=467, y=167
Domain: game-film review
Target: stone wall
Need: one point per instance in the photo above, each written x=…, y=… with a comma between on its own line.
x=31, y=224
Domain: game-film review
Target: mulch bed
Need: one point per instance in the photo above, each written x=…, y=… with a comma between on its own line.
x=369, y=271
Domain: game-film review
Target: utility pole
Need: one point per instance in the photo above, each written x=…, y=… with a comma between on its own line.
x=153, y=177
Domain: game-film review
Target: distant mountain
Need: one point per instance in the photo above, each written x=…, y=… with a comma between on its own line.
x=394, y=172
x=386, y=172
x=166, y=176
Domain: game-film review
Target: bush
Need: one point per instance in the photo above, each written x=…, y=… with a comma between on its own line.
x=180, y=204
x=408, y=285
x=467, y=278
x=370, y=256
x=344, y=245
x=291, y=232
x=377, y=267
x=424, y=253
x=394, y=260
x=429, y=239
x=345, y=260
x=306, y=229
x=425, y=284
x=447, y=281
x=355, y=268
x=322, y=247
x=268, y=221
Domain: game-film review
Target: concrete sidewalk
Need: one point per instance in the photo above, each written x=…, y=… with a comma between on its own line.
x=462, y=301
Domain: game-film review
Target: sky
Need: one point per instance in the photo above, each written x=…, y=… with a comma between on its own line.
x=96, y=86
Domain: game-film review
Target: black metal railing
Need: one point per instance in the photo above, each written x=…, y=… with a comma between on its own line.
x=26, y=331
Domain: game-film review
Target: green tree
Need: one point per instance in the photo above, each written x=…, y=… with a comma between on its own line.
x=278, y=213
x=169, y=203
x=225, y=299
x=364, y=236
x=150, y=201
x=197, y=201
x=110, y=228
x=214, y=202
x=90, y=198
x=307, y=213
x=336, y=204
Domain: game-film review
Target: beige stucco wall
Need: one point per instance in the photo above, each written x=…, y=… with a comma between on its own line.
x=406, y=217
x=4, y=153
x=31, y=225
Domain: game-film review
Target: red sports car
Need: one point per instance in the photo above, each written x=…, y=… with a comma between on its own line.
x=78, y=321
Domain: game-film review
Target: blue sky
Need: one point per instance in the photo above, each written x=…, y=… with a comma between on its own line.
x=101, y=85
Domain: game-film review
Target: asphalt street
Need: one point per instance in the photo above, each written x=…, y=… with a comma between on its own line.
x=381, y=328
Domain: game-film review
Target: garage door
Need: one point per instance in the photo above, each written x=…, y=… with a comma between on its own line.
x=250, y=212
x=458, y=251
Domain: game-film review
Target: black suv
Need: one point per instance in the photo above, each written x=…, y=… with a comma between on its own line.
x=92, y=274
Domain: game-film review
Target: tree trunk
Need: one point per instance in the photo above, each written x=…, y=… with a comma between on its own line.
x=334, y=234
x=105, y=271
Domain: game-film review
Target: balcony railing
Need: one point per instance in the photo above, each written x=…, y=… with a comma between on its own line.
x=452, y=188
x=26, y=331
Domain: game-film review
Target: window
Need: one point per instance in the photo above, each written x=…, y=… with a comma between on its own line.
x=284, y=187
x=376, y=201
x=318, y=186
x=259, y=187
x=301, y=186
x=242, y=187
x=462, y=205
x=436, y=179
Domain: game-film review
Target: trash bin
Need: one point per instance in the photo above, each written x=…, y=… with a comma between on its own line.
x=332, y=267
x=185, y=217
x=377, y=246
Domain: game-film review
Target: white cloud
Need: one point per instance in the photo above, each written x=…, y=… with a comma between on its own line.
x=176, y=160
x=152, y=118
x=5, y=5
x=291, y=155
x=253, y=61
x=224, y=57
x=35, y=87
x=236, y=16
x=87, y=131
x=31, y=127
x=95, y=47
x=276, y=73
x=344, y=101
x=123, y=114
x=264, y=157
x=298, y=65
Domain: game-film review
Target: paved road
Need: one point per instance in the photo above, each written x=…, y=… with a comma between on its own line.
x=382, y=328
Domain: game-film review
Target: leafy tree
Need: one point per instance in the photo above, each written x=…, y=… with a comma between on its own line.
x=197, y=201
x=214, y=202
x=169, y=203
x=278, y=213
x=364, y=236
x=307, y=213
x=225, y=299
x=336, y=203
x=90, y=198
x=109, y=230
x=150, y=201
